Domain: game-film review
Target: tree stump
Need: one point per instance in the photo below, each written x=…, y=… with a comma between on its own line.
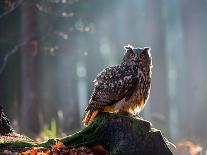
x=116, y=133
x=120, y=134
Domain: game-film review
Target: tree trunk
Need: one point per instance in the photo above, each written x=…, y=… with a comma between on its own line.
x=195, y=36
x=30, y=72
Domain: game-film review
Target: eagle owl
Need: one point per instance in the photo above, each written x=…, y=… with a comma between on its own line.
x=122, y=88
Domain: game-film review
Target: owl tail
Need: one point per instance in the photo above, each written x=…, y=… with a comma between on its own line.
x=89, y=116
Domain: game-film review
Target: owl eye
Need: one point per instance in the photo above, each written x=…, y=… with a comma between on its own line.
x=131, y=54
x=142, y=55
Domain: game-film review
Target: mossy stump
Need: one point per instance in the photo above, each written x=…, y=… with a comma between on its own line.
x=119, y=134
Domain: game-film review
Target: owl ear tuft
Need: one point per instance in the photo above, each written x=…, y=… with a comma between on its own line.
x=146, y=49
x=128, y=47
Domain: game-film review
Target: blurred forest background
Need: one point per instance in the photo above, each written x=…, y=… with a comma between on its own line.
x=51, y=50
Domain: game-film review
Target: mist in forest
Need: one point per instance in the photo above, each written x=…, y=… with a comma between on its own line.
x=52, y=50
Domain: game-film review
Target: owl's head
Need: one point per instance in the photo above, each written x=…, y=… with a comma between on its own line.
x=137, y=56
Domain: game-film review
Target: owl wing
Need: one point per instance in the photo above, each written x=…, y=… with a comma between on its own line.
x=112, y=85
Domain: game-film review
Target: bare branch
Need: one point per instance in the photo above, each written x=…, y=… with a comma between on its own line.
x=12, y=8
x=14, y=50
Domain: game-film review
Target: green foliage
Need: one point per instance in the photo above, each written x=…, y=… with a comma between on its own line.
x=49, y=131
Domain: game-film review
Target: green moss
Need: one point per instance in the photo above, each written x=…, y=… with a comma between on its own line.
x=16, y=145
x=116, y=151
x=46, y=144
x=77, y=138
x=87, y=134
x=141, y=127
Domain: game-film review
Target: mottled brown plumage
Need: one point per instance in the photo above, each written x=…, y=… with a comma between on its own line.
x=122, y=88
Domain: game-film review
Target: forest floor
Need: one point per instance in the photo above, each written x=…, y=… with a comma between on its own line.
x=15, y=145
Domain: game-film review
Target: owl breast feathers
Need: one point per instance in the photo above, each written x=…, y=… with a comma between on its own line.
x=120, y=88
